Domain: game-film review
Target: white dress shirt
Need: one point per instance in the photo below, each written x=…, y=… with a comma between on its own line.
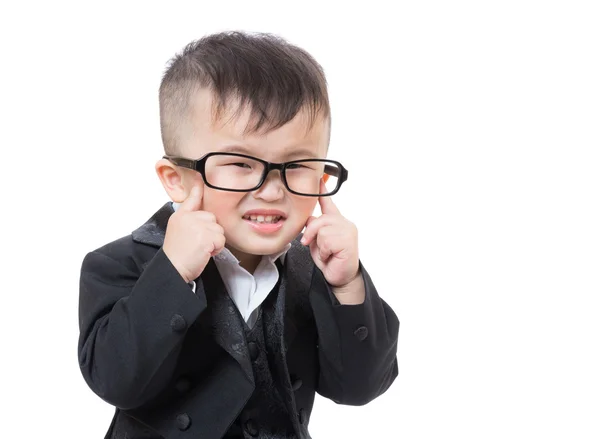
x=248, y=291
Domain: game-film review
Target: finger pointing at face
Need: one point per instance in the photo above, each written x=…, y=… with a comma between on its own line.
x=326, y=203
x=193, y=202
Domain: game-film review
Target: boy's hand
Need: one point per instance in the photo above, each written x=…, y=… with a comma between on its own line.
x=192, y=236
x=333, y=244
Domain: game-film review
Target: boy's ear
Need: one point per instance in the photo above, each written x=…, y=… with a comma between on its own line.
x=173, y=180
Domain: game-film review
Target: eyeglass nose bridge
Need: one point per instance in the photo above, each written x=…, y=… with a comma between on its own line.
x=272, y=167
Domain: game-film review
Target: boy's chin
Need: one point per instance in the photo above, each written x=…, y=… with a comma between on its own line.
x=260, y=247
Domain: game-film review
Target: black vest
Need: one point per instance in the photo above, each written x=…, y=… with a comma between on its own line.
x=265, y=415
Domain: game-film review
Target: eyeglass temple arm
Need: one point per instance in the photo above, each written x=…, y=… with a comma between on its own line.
x=335, y=171
x=180, y=161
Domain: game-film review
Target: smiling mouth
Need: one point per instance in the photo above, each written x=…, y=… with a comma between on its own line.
x=263, y=219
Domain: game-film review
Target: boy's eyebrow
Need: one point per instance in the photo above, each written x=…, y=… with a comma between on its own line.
x=300, y=153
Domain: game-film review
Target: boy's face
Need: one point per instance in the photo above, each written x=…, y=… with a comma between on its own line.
x=290, y=142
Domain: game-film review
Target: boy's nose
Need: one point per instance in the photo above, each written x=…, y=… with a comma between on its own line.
x=272, y=189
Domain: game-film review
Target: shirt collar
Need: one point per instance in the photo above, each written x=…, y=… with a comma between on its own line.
x=226, y=256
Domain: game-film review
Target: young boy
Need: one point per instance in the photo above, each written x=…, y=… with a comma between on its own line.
x=214, y=319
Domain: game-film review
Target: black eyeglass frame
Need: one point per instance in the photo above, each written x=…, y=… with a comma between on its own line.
x=199, y=166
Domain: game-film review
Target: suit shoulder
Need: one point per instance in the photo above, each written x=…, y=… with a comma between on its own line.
x=119, y=249
x=122, y=253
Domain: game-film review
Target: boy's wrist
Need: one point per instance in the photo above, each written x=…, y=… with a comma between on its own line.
x=353, y=293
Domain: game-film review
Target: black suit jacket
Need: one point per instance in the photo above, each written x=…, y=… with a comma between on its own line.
x=175, y=364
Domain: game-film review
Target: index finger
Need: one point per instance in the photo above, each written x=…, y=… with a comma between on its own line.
x=326, y=203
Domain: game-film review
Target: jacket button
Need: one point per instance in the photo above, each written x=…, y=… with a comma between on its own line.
x=251, y=428
x=183, y=421
x=361, y=333
x=183, y=385
x=178, y=323
x=296, y=384
x=253, y=349
x=302, y=416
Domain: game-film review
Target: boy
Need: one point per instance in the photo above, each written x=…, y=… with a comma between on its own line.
x=213, y=319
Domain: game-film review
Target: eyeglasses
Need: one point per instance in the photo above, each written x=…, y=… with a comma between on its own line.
x=243, y=173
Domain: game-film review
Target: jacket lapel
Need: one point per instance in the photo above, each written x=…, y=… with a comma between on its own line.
x=226, y=323
x=296, y=279
x=152, y=232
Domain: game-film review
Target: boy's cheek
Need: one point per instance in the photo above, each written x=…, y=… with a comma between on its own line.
x=222, y=204
x=305, y=206
x=298, y=221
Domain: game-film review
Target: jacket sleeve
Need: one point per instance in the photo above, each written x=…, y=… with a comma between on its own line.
x=132, y=326
x=357, y=344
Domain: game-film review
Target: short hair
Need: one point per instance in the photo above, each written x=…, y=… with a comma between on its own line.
x=260, y=71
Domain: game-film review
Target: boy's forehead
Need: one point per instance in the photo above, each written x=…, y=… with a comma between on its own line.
x=231, y=128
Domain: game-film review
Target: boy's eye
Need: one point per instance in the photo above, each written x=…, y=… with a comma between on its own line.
x=241, y=165
x=296, y=166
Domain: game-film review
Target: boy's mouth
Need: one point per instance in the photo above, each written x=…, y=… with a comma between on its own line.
x=265, y=220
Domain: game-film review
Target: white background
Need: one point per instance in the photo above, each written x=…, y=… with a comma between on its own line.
x=471, y=131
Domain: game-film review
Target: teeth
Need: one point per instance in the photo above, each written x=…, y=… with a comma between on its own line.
x=270, y=219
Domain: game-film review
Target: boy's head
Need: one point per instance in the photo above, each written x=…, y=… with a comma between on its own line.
x=253, y=94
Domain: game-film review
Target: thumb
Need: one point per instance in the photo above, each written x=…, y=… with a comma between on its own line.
x=193, y=202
